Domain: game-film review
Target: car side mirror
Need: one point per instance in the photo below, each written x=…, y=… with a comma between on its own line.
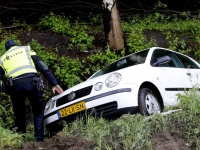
x=162, y=60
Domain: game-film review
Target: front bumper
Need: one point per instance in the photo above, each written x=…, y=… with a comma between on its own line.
x=108, y=104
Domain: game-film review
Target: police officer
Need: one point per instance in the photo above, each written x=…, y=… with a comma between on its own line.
x=20, y=64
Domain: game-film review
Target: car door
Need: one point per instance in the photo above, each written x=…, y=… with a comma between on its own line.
x=173, y=77
x=192, y=67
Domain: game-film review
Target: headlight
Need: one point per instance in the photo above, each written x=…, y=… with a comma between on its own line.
x=48, y=105
x=52, y=104
x=113, y=79
x=98, y=86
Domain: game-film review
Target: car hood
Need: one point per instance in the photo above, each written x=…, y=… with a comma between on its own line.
x=130, y=75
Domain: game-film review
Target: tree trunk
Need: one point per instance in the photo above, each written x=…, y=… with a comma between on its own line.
x=112, y=25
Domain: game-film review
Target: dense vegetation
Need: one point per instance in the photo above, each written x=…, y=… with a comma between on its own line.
x=70, y=71
x=31, y=10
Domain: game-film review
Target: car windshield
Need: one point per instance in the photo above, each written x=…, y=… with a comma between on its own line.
x=130, y=60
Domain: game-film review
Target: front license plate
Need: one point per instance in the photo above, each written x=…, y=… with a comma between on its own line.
x=71, y=109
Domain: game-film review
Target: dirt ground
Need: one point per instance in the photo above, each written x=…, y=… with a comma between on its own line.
x=60, y=142
x=160, y=141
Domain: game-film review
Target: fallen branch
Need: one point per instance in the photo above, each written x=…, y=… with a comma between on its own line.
x=10, y=27
x=165, y=113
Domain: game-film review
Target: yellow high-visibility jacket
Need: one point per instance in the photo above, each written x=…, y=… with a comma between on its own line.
x=17, y=61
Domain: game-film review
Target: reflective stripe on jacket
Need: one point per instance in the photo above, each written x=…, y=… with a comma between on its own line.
x=17, y=61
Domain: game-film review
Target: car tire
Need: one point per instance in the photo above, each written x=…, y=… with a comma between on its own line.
x=148, y=103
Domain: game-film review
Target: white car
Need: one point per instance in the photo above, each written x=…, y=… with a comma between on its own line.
x=144, y=82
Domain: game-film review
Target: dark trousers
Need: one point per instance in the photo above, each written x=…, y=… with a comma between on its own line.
x=18, y=93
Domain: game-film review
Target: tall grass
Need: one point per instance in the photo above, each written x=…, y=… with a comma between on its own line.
x=135, y=131
x=127, y=132
x=188, y=122
x=9, y=139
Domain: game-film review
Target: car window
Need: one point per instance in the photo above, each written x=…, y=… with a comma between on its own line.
x=130, y=60
x=187, y=62
x=160, y=53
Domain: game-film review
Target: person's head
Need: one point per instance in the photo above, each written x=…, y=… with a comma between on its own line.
x=9, y=44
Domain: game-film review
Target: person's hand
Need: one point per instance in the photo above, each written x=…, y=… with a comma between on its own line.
x=57, y=88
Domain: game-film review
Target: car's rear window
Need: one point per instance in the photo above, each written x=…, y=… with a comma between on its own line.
x=187, y=62
x=130, y=60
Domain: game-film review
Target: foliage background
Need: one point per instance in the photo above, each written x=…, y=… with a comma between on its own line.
x=31, y=11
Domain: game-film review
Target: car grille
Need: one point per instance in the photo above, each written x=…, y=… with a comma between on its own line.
x=106, y=108
x=78, y=94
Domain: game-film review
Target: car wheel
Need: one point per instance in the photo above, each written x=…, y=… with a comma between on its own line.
x=148, y=102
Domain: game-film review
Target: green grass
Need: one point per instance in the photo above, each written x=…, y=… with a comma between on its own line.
x=9, y=139
x=135, y=131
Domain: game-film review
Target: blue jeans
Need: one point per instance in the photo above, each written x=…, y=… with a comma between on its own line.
x=18, y=93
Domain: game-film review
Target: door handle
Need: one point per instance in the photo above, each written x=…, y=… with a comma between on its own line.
x=189, y=74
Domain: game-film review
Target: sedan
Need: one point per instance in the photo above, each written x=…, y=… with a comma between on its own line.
x=144, y=82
